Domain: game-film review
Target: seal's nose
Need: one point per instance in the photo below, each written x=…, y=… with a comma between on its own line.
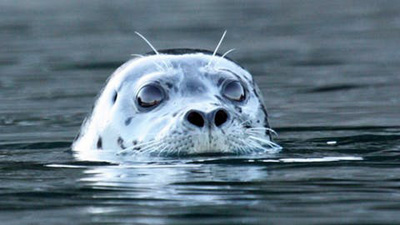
x=220, y=117
x=195, y=117
x=198, y=118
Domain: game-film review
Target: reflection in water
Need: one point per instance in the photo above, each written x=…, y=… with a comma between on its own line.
x=311, y=160
x=156, y=192
x=171, y=182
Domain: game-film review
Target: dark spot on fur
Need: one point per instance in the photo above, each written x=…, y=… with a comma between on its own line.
x=266, y=124
x=169, y=85
x=137, y=148
x=134, y=142
x=219, y=98
x=219, y=83
x=247, y=126
x=238, y=109
x=261, y=103
x=174, y=114
x=121, y=143
x=99, y=143
x=267, y=132
x=115, y=96
x=258, y=121
x=237, y=76
x=128, y=121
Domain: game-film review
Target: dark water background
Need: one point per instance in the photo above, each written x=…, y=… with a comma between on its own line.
x=329, y=71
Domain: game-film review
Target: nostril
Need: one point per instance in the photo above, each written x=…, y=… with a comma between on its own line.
x=220, y=117
x=195, y=118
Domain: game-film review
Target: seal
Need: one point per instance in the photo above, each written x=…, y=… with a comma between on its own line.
x=177, y=102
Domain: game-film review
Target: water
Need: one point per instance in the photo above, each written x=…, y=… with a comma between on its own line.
x=329, y=72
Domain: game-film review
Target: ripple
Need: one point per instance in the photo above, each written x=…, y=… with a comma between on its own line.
x=313, y=160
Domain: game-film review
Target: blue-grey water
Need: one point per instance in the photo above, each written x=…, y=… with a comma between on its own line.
x=329, y=71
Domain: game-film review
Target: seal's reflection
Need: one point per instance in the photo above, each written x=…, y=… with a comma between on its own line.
x=183, y=183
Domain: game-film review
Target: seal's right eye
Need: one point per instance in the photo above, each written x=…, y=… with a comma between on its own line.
x=234, y=90
x=150, y=95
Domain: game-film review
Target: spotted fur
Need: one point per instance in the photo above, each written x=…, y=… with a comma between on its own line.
x=192, y=80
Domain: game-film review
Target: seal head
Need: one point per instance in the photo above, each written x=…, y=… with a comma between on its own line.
x=178, y=102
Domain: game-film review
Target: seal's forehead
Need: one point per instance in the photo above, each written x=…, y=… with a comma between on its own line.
x=187, y=63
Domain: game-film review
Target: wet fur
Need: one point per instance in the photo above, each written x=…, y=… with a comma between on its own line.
x=192, y=81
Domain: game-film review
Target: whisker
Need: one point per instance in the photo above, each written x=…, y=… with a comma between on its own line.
x=156, y=64
x=161, y=151
x=159, y=147
x=263, y=129
x=256, y=132
x=259, y=146
x=250, y=147
x=154, y=148
x=141, y=145
x=246, y=148
x=269, y=143
x=179, y=151
x=241, y=150
x=148, y=42
x=148, y=151
x=227, y=52
x=154, y=50
x=216, y=49
x=223, y=56
x=246, y=121
x=138, y=55
x=152, y=142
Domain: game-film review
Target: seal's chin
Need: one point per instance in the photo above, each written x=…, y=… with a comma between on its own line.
x=216, y=142
x=210, y=143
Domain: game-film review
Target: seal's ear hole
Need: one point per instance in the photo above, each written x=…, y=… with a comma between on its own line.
x=234, y=90
x=150, y=95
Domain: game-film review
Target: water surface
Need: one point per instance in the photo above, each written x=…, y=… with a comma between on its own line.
x=329, y=72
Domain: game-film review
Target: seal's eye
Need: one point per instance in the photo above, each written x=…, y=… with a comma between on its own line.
x=150, y=95
x=234, y=90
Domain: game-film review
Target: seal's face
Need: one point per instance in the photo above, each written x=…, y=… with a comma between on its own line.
x=177, y=105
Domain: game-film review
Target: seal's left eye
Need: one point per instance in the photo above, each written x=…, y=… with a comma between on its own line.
x=234, y=90
x=150, y=95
